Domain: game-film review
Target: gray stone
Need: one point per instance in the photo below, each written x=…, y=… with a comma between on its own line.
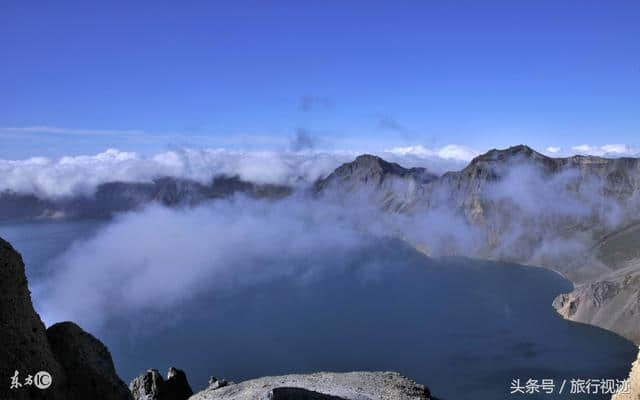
x=322, y=386
x=151, y=386
x=87, y=363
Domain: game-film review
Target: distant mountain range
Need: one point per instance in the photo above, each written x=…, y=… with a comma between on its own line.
x=114, y=197
x=577, y=215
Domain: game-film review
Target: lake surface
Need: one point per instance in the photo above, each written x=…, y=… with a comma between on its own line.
x=464, y=328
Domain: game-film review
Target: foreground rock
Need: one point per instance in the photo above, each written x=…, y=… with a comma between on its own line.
x=151, y=386
x=87, y=363
x=25, y=347
x=79, y=365
x=322, y=386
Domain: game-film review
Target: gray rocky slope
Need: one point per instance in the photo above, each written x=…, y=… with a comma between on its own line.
x=321, y=386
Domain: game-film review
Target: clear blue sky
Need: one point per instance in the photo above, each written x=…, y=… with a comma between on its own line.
x=480, y=73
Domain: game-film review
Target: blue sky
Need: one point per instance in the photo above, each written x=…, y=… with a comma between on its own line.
x=79, y=77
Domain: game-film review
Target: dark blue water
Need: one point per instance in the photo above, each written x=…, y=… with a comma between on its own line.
x=464, y=328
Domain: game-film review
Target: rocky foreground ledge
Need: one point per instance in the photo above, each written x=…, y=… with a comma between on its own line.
x=321, y=386
x=79, y=367
x=316, y=386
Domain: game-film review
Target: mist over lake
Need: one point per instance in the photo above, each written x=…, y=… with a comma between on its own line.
x=466, y=327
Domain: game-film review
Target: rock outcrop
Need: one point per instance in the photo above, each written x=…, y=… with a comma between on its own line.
x=611, y=301
x=151, y=386
x=62, y=363
x=612, y=304
x=87, y=363
x=25, y=347
x=322, y=386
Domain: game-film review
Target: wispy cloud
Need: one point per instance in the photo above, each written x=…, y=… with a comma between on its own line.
x=313, y=103
x=611, y=150
x=389, y=123
x=303, y=140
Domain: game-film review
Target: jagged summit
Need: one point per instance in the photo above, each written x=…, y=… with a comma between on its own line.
x=372, y=163
x=372, y=170
x=520, y=150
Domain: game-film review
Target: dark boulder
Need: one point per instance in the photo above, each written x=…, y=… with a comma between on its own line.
x=87, y=363
x=151, y=386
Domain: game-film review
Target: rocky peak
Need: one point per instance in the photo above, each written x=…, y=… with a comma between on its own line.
x=368, y=162
x=489, y=163
x=372, y=170
x=520, y=150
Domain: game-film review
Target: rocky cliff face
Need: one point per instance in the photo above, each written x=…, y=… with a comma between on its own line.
x=80, y=367
x=373, y=180
x=25, y=347
x=612, y=300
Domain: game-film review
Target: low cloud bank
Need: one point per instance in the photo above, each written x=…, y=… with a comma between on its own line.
x=80, y=175
x=160, y=258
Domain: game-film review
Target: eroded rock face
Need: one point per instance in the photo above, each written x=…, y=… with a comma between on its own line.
x=25, y=348
x=322, y=386
x=87, y=363
x=612, y=303
x=80, y=366
x=151, y=386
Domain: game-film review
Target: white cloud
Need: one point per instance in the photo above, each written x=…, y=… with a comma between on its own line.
x=553, y=149
x=616, y=149
x=449, y=152
x=72, y=175
x=81, y=174
x=607, y=150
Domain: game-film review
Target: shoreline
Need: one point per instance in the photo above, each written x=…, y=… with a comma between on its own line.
x=633, y=375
